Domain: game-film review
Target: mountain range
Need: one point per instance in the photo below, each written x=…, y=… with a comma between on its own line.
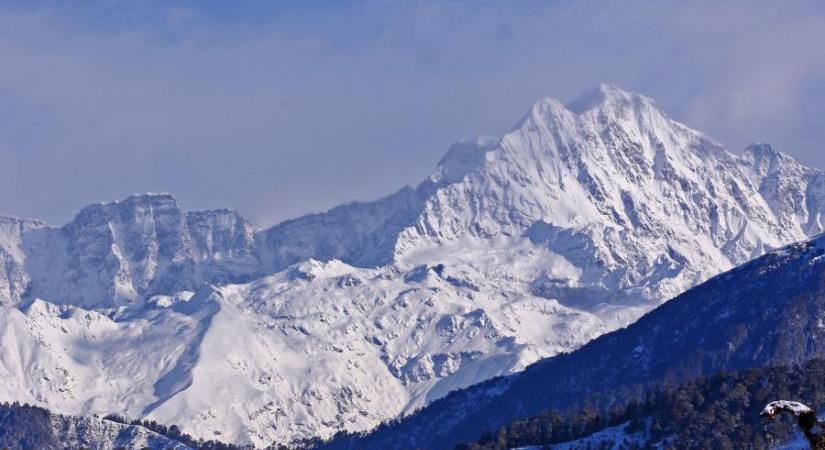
x=575, y=223
x=767, y=312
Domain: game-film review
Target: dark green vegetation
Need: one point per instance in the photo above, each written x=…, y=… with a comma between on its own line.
x=720, y=412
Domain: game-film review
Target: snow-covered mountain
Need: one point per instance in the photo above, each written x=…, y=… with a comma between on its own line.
x=767, y=312
x=117, y=254
x=576, y=222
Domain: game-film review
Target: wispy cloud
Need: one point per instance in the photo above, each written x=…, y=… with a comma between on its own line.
x=282, y=109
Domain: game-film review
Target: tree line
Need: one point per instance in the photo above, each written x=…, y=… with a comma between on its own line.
x=719, y=411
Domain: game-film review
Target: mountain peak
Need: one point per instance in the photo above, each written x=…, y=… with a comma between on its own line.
x=763, y=159
x=607, y=96
x=605, y=99
x=149, y=198
x=160, y=203
x=761, y=151
x=464, y=156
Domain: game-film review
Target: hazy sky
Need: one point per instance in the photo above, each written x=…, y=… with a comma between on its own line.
x=282, y=108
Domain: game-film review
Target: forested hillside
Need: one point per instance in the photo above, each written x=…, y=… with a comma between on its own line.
x=720, y=412
x=26, y=427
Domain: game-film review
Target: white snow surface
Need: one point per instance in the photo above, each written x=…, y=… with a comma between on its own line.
x=778, y=406
x=576, y=222
x=797, y=442
x=612, y=438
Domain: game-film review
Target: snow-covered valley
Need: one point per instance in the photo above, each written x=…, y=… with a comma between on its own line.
x=575, y=223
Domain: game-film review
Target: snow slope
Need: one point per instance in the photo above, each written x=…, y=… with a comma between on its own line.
x=767, y=312
x=612, y=438
x=576, y=222
x=798, y=442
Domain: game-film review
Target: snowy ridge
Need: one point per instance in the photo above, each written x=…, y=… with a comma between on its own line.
x=766, y=312
x=118, y=254
x=101, y=434
x=576, y=222
x=26, y=427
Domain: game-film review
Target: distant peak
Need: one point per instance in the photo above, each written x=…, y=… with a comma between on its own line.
x=541, y=110
x=149, y=198
x=464, y=156
x=761, y=150
x=606, y=95
x=605, y=98
x=12, y=219
x=763, y=157
x=466, y=149
x=154, y=200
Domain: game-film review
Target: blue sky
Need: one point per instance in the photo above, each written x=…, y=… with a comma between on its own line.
x=282, y=108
